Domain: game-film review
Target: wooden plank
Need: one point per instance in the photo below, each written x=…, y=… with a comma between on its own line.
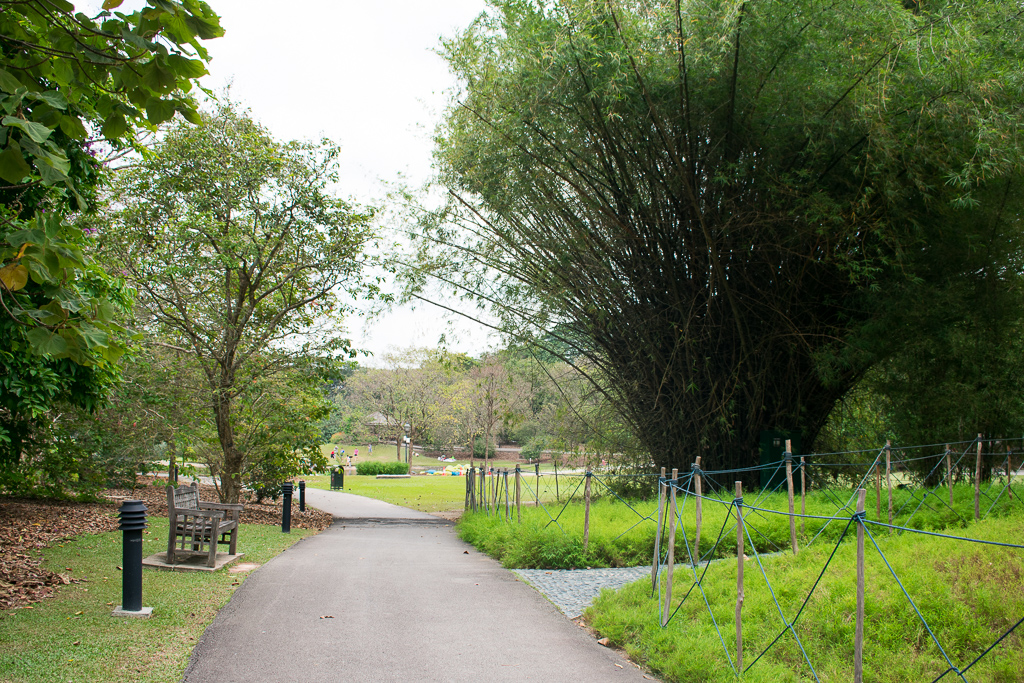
x=803, y=496
x=519, y=508
x=949, y=473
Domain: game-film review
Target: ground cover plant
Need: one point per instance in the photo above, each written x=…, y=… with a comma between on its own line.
x=372, y=469
x=622, y=533
x=72, y=636
x=969, y=594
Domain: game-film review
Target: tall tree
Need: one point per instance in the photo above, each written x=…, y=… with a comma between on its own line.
x=238, y=249
x=715, y=204
x=72, y=89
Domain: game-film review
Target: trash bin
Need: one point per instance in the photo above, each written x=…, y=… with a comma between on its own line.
x=337, y=478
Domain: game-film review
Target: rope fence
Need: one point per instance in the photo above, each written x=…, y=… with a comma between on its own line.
x=844, y=486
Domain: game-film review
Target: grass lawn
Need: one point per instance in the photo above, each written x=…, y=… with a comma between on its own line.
x=426, y=493
x=969, y=594
x=72, y=637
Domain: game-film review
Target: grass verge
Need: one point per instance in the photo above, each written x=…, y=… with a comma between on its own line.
x=623, y=536
x=72, y=637
x=969, y=594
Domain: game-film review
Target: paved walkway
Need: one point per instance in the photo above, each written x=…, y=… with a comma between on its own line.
x=391, y=594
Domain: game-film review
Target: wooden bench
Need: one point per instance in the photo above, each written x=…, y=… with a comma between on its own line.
x=196, y=527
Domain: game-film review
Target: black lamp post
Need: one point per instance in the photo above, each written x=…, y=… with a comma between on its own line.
x=132, y=514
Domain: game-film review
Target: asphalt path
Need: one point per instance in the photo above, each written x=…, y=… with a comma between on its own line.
x=392, y=594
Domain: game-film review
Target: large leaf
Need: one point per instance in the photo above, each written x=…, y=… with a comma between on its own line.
x=46, y=343
x=14, y=276
x=37, y=132
x=9, y=83
x=115, y=126
x=13, y=167
x=73, y=127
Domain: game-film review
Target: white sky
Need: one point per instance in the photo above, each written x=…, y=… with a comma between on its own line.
x=365, y=75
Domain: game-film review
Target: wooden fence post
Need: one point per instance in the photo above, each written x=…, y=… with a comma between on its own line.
x=508, y=511
x=888, y=474
x=858, y=639
x=878, y=490
x=1009, y=471
x=468, y=496
x=803, y=496
x=671, y=559
x=789, y=483
x=519, y=509
x=698, y=483
x=536, y=472
x=656, y=563
x=977, y=483
x=739, y=576
x=586, y=511
x=949, y=474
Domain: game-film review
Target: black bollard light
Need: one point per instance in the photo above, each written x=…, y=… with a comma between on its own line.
x=132, y=514
x=302, y=496
x=286, y=511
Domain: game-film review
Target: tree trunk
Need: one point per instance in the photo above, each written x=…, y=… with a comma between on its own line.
x=231, y=475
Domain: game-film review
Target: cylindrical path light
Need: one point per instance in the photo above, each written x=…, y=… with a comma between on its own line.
x=286, y=509
x=132, y=514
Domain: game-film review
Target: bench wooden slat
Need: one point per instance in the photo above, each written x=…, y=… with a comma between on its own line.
x=196, y=527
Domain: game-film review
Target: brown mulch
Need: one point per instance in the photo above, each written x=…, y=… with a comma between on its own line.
x=28, y=526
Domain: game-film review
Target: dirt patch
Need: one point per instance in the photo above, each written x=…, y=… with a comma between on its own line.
x=450, y=515
x=28, y=526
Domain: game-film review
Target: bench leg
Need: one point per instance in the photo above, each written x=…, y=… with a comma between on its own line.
x=234, y=541
x=171, y=537
x=211, y=561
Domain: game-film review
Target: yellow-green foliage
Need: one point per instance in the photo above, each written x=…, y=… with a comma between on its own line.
x=969, y=594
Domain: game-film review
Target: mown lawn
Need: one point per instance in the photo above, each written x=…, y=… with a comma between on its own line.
x=73, y=637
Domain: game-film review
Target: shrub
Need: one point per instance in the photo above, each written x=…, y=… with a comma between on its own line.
x=533, y=449
x=372, y=469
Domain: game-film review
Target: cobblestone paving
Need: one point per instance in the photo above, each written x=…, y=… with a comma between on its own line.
x=572, y=590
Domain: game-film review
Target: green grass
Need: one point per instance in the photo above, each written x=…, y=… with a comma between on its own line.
x=39, y=644
x=969, y=594
x=538, y=542
x=425, y=493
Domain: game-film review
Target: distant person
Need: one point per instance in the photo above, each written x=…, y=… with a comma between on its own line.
x=369, y=447
x=356, y=454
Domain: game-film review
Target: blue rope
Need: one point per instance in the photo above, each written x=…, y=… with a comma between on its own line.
x=913, y=604
x=978, y=658
x=782, y=615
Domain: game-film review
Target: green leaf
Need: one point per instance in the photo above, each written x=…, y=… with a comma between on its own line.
x=50, y=171
x=14, y=276
x=37, y=132
x=54, y=313
x=13, y=167
x=111, y=4
x=52, y=98
x=73, y=127
x=115, y=126
x=184, y=67
x=9, y=83
x=46, y=343
x=158, y=110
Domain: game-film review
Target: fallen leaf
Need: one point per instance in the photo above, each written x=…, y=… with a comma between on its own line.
x=77, y=642
x=604, y=641
x=465, y=552
x=327, y=616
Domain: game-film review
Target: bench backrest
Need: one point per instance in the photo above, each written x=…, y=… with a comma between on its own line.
x=184, y=498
